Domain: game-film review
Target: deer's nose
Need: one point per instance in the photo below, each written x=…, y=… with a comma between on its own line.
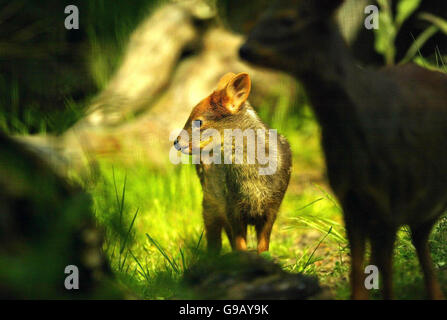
x=176, y=145
x=245, y=52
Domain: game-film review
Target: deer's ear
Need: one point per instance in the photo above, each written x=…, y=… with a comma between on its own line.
x=224, y=80
x=237, y=92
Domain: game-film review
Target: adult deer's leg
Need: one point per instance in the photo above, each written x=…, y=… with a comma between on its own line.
x=420, y=236
x=382, y=245
x=357, y=240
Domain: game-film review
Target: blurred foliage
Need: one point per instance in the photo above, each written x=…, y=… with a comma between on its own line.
x=390, y=25
x=241, y=16
x=48, y=73
x=108, y=28
x=436, y=21
x=152, y=218
x=46, y=224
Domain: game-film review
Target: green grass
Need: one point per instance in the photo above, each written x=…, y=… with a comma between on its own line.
x=154, y=247
x=155, y=230
x=107, y=28
x=154, y=224
x=152, y=218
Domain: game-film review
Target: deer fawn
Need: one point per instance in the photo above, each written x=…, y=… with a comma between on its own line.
x=240, y=193
x=384, y=133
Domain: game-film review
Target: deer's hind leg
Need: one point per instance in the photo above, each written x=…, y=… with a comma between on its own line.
x=357, y=242
x=419, y=235
x=263, y=227
x=382, y=245
x=238, y=225
x=356, y=234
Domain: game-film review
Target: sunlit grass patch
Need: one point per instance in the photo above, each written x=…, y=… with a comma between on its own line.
x=155, y=228
x=153, y=218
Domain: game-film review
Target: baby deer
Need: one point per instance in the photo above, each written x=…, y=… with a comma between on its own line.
x=237, y=189
x=384, y=133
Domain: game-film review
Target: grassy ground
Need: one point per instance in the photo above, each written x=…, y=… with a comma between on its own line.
x=153, y=217
x=167, y=232
x=155, y=230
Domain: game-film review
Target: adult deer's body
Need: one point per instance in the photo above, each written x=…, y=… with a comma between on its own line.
x=384, y=133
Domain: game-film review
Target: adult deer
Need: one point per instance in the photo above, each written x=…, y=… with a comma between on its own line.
x=384, y=133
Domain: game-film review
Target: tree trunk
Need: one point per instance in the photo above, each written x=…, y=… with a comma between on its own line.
x=173, y=60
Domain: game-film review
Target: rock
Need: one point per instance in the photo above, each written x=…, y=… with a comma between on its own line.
x=246, y=275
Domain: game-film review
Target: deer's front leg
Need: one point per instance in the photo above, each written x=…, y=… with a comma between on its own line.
x=214, y=223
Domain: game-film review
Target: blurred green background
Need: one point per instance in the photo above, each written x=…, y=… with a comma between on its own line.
x=152, y=216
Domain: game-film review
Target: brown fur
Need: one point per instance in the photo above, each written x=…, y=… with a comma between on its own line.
x=235, y=195
x=384, y=134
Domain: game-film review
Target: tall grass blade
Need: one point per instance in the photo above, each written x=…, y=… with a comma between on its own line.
x=128, y=231
x=315, y=249
x=171, y=262
x=143, y=272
